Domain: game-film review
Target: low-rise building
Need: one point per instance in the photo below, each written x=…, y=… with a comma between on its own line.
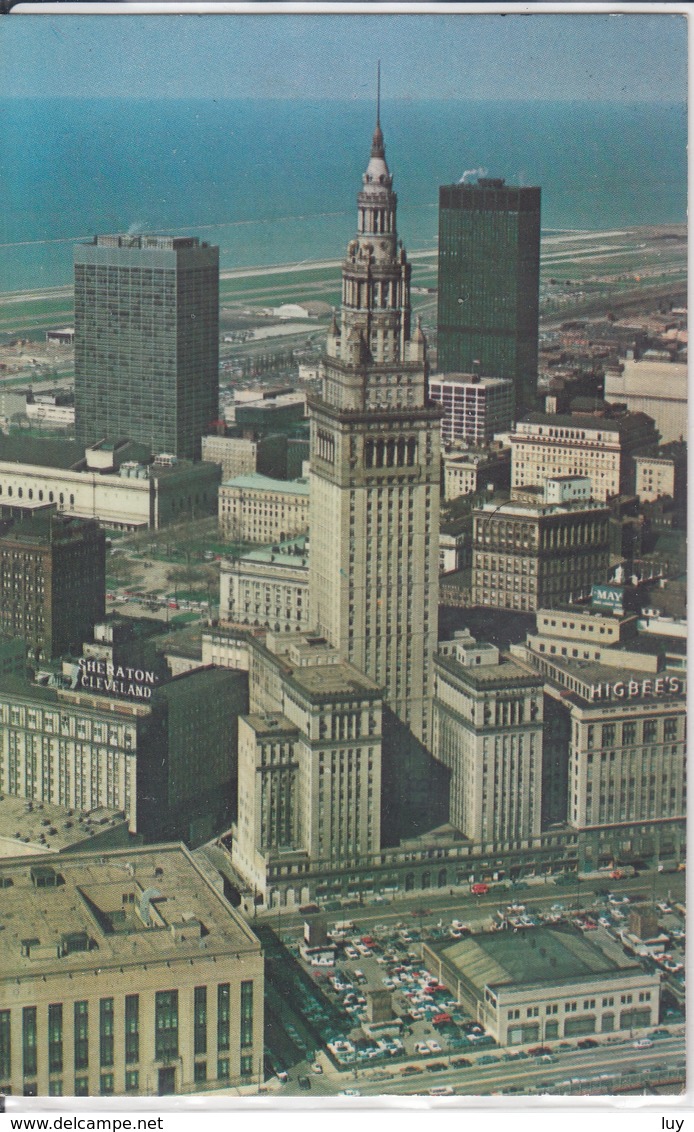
x=467, y=471
x=544, y=984
x=599, y=447
x=125, y=973
x=243, y=455
x=664, y=474
x=658, y=388
x=28, y=829
x=267, y=587
x=527, y=555
x=120, y=494
x=255, y=508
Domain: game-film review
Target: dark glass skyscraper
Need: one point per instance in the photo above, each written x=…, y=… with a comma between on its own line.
x=489, y=279
x=146, y=341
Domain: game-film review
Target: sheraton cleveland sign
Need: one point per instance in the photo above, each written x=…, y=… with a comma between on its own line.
x=118, y=679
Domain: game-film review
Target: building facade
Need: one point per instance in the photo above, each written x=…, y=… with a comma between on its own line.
x=488, y=732
x=126, y=973
x=125, y=497
x=474, y=407
x=267, y=587
x=309, y=763
x=168, y=760
x=544, y=984
x=375, y=469
x=255, y=508
x=602, y=449
x=657, y=388
x=467, y=471
x=489, y=283
x=52, y=583
x=529, y=555
x=147, y=341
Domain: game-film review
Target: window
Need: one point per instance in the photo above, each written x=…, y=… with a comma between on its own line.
x=200, y=1072
x=650, y=730
x=247, y=1066
x=628, y=734
x=200, y=1020
x=106, y=1032
x=106, y=1084
x=223, y=1016
x=81, y=1036
x=166, y=1025
x=81, y=1086
x=246, y=1014
x=132, y=1080
x=55, y=1037
x=223, y=1069
x=5, y=1046
x=132, y=1028
x=29, y=1041
x=55, y=1088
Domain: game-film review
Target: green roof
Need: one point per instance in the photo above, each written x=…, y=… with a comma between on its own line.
x=48, y=453
x=253, y=481
x=531, y=957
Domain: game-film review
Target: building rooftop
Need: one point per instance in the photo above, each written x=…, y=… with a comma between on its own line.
x=254, y=481
x=329, y=680
x=488, y=676
x=469, y=379
x=270, y=723
x=291, y=552
x=49, y=453
x=127, y=907
x=536, y=957
x=622, y=425
x=539, y=508
x=37, y=827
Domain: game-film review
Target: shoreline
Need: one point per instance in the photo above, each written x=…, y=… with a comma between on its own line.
x=554, y=236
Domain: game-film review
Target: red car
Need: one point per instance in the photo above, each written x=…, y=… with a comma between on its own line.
x=479, y=889
x=441, y=1019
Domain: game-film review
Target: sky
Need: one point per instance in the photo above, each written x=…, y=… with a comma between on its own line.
x=626, y=58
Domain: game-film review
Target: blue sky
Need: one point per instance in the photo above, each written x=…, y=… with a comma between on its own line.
x=626, y=58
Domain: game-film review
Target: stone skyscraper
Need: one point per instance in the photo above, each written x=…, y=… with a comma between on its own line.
x=375, y=467
x=147, y=341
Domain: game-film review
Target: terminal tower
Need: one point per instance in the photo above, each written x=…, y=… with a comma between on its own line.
x=375, y=468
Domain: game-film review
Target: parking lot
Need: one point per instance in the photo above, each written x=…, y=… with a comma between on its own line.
x=326, y=1007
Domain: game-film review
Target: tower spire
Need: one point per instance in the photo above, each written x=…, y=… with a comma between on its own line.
x=378, y=94
x=377, y=147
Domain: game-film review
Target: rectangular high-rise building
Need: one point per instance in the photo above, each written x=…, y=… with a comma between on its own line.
x=489, y=281
x=147, y=341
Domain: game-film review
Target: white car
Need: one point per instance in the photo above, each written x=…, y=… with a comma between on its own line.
x=422, y=1047
x=316, y=1067
x=434, y=1047
x=643, y=1043
x=351, y=953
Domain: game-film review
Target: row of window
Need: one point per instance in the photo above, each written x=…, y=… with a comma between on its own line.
x=165, y=1030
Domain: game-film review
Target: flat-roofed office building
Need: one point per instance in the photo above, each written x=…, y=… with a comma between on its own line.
x=125, y=973
x=147, y=341
x=489, y=283
x=545, y=983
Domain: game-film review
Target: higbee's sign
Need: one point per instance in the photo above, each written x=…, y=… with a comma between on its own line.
x=632, y=689
x=119, y=680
